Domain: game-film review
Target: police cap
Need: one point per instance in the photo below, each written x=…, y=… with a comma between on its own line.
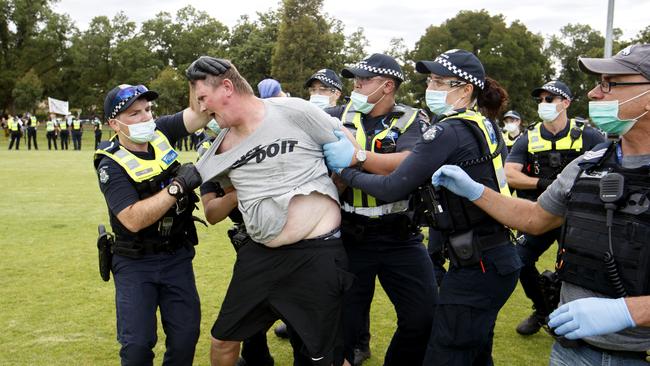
x=327, y=77
x=554, y=87
x=458, y=63
x=374, y=65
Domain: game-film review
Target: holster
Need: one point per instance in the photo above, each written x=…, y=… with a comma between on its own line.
x=463, y=249
x=239, y=236
x=105, y=243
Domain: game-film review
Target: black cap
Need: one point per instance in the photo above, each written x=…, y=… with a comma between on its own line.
x=554, y=87
x=458, y=63
x=121, y=97
x=327, y=77
x=634, y=59
x=513, y=114
x=374, y=65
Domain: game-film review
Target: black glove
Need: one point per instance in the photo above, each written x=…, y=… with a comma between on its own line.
x=188, y=177
x=206, y=65
x=543, y=183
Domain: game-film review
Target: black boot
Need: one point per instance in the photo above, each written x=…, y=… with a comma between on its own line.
x=531, y=324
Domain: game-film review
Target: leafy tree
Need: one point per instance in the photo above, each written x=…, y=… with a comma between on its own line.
x=28, y=92
x=307, y=41
x=172, y=89
x=512, y=55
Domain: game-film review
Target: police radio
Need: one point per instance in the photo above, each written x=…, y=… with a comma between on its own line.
x=612, y=190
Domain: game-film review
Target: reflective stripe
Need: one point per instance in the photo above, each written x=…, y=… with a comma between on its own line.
x=141, y=170
x=537, y=144
x=389, y=208
x=49, y=126
x=492, y=141
x=352, y=117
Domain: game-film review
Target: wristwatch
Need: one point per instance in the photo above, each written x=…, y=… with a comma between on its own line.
x=174, y=189
x=361, y=157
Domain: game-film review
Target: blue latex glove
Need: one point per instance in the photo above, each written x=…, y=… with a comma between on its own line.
x=338, y=154
x=456, y=180
x=591, y=316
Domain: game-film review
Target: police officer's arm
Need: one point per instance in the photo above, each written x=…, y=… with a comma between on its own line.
x=382, y=164
x=514, y=165
x=217, y=208
x=639, y=308
x=146, y=212
x=193, y=118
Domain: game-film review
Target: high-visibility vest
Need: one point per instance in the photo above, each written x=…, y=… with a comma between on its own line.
x=76, y=124
x=49, y=126
x=12, y=125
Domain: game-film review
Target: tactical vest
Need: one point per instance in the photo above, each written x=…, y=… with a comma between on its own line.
x=76, y=124
x=49, y=126
x=585, y=237
x=355, y=200
x=508, y=141
x=150, y=177
x=464, y=215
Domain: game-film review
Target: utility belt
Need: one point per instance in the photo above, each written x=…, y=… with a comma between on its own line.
x=632, y=355
x=358, y=227
x=239, y=236
x=386, y=209
x=466, y=249
x=138, y=249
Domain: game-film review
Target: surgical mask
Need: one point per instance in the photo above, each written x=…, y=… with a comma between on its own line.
x=213, y=126
x=437, y=101
x=321, y=101
x=360, y=101
x=140, y=133
x=547, y=112
x=605, y=116
x=511, y=128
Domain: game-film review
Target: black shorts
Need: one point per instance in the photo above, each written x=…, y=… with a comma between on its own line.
x=301, y=283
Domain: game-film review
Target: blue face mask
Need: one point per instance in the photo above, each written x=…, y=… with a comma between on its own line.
x=213, y=126
x=321, y=101
x=360, y=101
x=605, y=116
x=547, y=112
x=437, y=101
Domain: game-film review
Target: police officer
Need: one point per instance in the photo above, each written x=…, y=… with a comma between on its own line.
x=14, y=125
x=150, y=198
x=97, y=127
x=604, y=254
x=76, y=133
x=484, y=263
x=32, y=124
x=64, y=131
x=378, y=234
x=324, y=87
x=533, y=163
x=50, y=132
x=511, y=128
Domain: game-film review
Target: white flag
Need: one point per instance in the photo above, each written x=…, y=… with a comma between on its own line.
x=58, y=106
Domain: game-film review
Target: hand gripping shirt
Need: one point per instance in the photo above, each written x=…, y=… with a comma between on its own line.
x=282, y=158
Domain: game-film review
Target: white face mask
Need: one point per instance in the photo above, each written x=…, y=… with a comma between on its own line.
x=511, y=128
x=322, y=101
x=547, y=112
x=140, y=133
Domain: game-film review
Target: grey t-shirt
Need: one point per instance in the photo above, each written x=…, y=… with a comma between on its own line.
x=282, y=158
x=554, y=200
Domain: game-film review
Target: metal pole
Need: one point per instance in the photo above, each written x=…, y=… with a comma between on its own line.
x=610, y=29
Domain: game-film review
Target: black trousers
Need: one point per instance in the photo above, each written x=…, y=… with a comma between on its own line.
x=65, y=134
x=15, y=137
x=31, y=135
x=76, y=139
x=51, y=138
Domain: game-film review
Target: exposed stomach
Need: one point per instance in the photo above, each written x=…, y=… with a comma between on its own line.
x=309, y=216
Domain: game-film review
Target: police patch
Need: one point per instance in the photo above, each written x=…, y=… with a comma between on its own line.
x=170, y=157
x=431, y=133
x=103, y=175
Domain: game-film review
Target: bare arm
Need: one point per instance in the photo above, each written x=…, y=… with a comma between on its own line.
x=146, y=212
x=639, y=308
x=217, y=208
x=518, y=213
x=518, y=180
x=193, y=118
x=382, y=164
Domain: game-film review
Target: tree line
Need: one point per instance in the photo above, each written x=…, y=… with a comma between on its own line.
x=44, y=54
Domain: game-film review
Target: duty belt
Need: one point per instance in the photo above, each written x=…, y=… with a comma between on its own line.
x=389, y=208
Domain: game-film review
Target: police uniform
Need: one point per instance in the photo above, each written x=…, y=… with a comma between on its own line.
x=32, y=123
x=50, y=133
x=14, y=125
x=97, y=124
x=151, y=268
x=378, y=235
x=64, y=133
x=76, y=134
x=484, y=264
x=509, y=140
x=544, y=155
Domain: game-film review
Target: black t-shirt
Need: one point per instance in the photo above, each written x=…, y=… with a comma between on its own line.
x=115, y=183
x=519, y=153
x=446, y=142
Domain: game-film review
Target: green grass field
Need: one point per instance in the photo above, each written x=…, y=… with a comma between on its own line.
x=55, y=310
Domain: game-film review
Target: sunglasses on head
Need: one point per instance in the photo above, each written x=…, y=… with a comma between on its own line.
x=547, y=99
x=126, y=94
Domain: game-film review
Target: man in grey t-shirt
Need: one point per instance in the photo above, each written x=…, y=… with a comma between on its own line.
x=609, y=326
x=270, y=164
